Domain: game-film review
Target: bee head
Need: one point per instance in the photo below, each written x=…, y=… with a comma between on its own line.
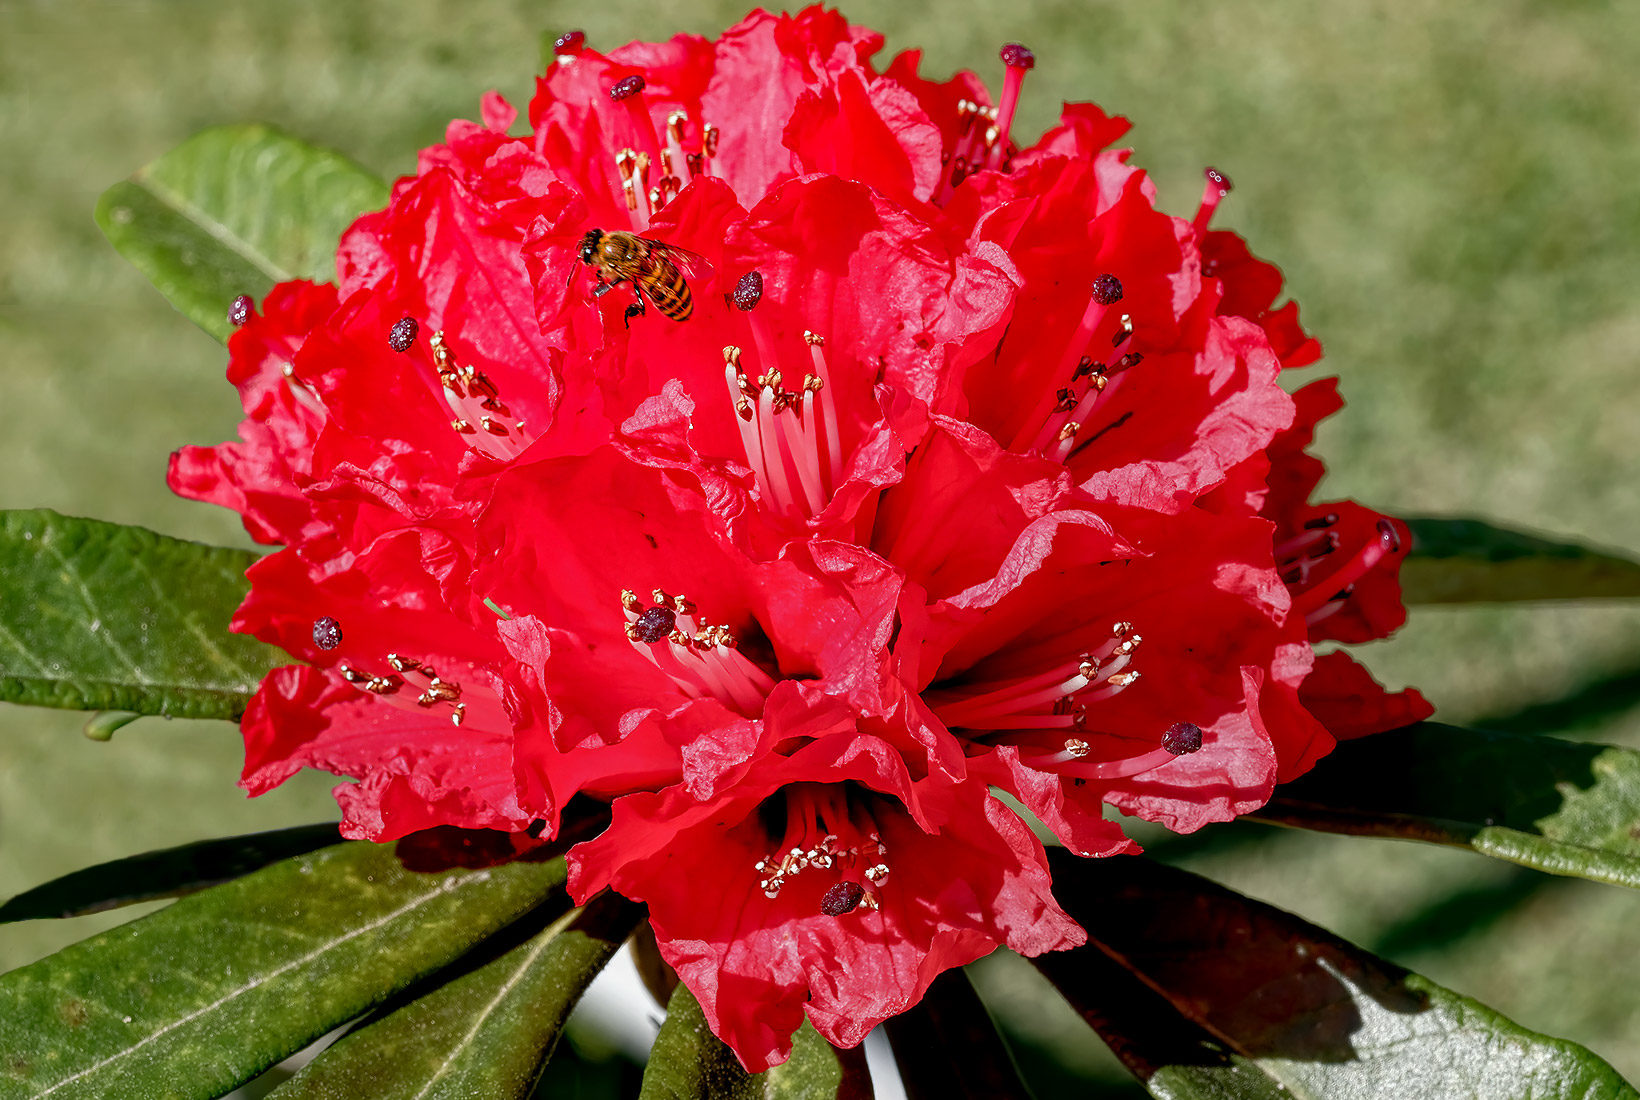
x=589, y=245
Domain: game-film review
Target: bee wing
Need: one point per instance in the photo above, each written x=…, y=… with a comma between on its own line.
x=692, y=264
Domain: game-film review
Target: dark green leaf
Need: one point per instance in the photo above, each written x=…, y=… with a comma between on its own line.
x=97, y=616
x=200, y=996
x=1204, y=993
x=163, y=874
x=1468, y=561
x=688, y=1062
x=947, y=1048
x=485, y=1033
x=1565, y=807
x=232, y=211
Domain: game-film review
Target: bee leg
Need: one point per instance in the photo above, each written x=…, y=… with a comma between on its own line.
x=636, y=309
x=603, y=288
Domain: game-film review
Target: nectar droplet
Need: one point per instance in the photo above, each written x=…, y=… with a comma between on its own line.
x=748, y=291
x=570, y=42
x=655, y=624
x=626, y=87
x=1016, y=56
x=1107, y=289
x=327, y=633
x=240, y=311
x=844, y=897
x=403, y=334
x=1182, y=738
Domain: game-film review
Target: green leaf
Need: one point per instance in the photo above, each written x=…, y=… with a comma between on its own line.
x=486, y=1033
x=1468, y=561
x=1565, y=807
x=205, y=994
x=233, y=210
x=947, y=1048
x=163, y=874
x=1204, y=993
x=688, y=1062
x=97, y=616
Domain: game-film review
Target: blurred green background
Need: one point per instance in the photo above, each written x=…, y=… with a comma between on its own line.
x=1453, y=190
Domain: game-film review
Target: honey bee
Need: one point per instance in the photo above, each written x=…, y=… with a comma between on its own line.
x=652, y=267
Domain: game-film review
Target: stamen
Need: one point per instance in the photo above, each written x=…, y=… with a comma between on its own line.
x=700, y=658
x=1054, y=699
x=569, y=44
x=403, y=334
x=1019, y=61
x=779, y=428
x=1313, y=601
x=818, y=818
x=327, y=633
x=633, y=170
x=434, y=689
x=1218, y=186
x=477, y=405
x=975, y=137
x=240, y=310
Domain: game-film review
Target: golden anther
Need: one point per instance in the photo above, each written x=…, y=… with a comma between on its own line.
x=630, y=601
x=731, y=355
x=813, y=339
x=1076, y=747
x=1070, y=429
x=462, y=426
x=709, y=139
x=458, y=715
x=813, y=383
x=1120, y=629
x=287, y=370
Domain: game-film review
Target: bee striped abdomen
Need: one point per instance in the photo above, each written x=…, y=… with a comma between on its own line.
x=668, y=290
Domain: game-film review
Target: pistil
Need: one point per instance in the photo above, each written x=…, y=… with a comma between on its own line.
x=1019, y=61
x=1218, y=186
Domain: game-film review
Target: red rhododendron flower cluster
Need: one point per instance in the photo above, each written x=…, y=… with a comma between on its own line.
x=767, y=444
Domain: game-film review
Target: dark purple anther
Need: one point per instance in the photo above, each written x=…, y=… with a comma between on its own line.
x=842, y=898
x=1319, y=522
x=570, y=42
x=402, y=334
x=1218, y=179
x=749, y=290
x=626, y=87
x=1182, y=738
x=240, y=311
x=1389, y=536
x=1107, y=290
x=655, y=624
x=1016, y=56
x=327, y=633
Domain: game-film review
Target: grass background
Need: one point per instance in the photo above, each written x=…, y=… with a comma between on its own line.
x=1453, y=190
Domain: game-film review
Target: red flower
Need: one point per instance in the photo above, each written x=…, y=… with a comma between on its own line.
x=765, y=444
